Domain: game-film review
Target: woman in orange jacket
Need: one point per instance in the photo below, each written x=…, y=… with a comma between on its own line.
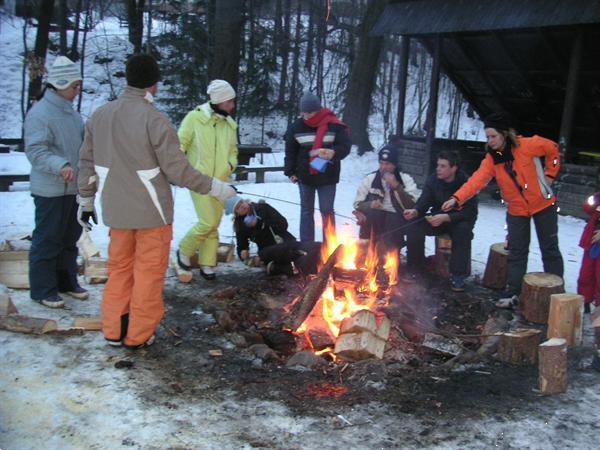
x=515, y=162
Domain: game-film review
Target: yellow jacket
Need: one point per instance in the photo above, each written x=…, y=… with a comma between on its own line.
x=210, y=142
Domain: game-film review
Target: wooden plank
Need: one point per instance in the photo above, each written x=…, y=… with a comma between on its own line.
x=88, y=323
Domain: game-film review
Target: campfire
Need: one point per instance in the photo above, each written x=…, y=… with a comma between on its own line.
x=339, y=311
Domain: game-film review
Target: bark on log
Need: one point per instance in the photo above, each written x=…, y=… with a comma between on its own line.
x=443, y=251
x=305, y=304
x=29, y=325
x=495, y=269
x=536, y=290
x=553, y=366
x=565, y=319
x=519, y=347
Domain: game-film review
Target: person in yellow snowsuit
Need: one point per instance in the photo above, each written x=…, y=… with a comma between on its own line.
x=208, y=137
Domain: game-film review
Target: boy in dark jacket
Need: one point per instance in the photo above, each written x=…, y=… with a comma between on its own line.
x=314, y=146
x=277, y=247
x=458, y=224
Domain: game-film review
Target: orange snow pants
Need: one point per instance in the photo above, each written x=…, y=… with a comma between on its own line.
x=137, y=261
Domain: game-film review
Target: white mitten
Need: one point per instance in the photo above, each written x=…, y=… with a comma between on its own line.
x=86, y=211
x=221, y=190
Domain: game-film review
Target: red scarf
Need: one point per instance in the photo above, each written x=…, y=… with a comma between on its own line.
x=588, y=232
x=320, y=121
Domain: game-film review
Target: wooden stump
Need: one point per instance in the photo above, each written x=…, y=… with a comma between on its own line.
x=495, y=269
x=534, y=300
x=553, y=366
x=443, y=251
x=519, y=347
x=14, y=269
x=565, y=319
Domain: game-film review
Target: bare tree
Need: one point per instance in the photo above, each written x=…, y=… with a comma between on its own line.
x=228, y=26
x=135, y=19
x=363, y=76
x=284, y=46
x=37, y=59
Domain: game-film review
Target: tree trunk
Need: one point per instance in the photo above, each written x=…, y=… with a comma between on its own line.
x=74, y=52
x=149, y=29
x=553, y=366
x=496, y=267
x=534, y=300
x=293, y=94
x=63, y=10
x=228, y=26
x=310, y=37
x=86, y=26
x=37, y=60
x=321, y=39
x=519, y=347
x=277, y=29
x=135, y=19
x=565, y=319
x=284, y=46
x=362, y=78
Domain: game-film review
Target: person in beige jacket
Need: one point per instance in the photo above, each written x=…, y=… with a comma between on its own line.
x=130, y=156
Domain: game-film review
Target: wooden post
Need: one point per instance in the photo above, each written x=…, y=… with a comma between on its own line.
x=495, y=269
x=433, y=99
x=534, y=300
x=404, y=52
x=519, y=347
x=553, y=366
x=566, y=124
x=566, y=318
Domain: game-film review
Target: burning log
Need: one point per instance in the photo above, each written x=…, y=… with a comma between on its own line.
x=361, y=337
x=347, y=278
x=566, y=318
x=305, y=304
x=534, y=299
x=519, y=347
x=553, y=366
x=496, y=267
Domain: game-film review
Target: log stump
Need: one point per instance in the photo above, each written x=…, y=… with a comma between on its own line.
x=496, y=267
x=443, y=251
x=565, y=319
x=536, y=290
x=553, y=366
x=519, y=347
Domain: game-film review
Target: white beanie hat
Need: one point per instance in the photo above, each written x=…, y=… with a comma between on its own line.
x=63, y=72
x=220, y=91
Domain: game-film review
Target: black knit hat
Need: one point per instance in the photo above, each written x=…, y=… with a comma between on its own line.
x=497, y=121
x=142, y=71
x=389, y=154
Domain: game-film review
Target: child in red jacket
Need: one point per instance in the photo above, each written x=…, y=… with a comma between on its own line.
x=588, y=283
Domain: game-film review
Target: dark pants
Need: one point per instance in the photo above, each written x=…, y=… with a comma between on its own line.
x=384, y=227
x=461, y=234
x=519, y=235
x=307, y=209
x=53, y=254
x=305, y=255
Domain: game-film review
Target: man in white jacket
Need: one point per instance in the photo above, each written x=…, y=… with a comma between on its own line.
x=381, y=200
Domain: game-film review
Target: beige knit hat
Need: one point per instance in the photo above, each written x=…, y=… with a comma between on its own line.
x=220, y=91
x=63, y=72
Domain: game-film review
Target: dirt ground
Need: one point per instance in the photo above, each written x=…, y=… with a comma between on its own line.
x=75, y=392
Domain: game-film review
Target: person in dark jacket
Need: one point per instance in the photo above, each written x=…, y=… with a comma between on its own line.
x=459, y=224
x=314, y=146
x=277, y=247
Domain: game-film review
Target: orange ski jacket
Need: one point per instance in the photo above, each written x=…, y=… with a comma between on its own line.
x=532, y=194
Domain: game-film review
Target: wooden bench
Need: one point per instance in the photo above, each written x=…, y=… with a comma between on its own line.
x=243, y=171
x=7, y=180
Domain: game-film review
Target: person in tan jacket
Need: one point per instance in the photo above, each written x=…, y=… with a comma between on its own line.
x=130, y=155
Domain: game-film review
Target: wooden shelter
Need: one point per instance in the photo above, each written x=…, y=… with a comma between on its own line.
x=538, y=61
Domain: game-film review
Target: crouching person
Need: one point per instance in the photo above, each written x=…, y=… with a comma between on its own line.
x=131, y=153
x=277, y=247
x=459, y=224
x=381, y=200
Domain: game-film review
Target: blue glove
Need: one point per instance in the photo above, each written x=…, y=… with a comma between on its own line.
x=595, y=250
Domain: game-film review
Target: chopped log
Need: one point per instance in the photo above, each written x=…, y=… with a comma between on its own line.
x=24, y=324
x=96, y=270
x=384, y=326
x=519, y=347
x=309, y=298
x=357, y=346
x=14, y=269
x=362, y=320
x=553, y=366
x=496, y=267
x=565, y=319
x=534, y=300
x=443, y=251
x=320, y=338
x=185, y=276
x=6, y=305
x=72, y=331
x=88, y=323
